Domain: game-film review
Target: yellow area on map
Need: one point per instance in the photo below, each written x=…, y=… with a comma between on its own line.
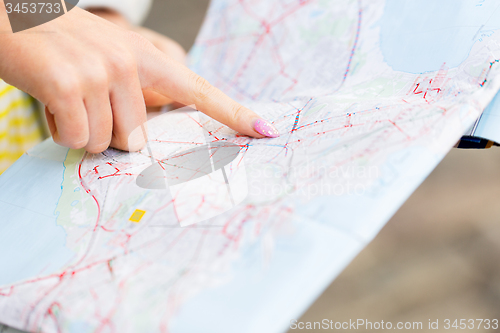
x=137, y=215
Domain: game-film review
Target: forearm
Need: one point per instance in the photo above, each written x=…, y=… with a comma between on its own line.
x=4, y=21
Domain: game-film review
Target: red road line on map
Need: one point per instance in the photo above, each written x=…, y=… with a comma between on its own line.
x=399, y=128
x=11, y=290
x=88, y=191
x=356, y=40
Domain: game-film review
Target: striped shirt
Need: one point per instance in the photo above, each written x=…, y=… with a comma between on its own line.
x=20, y=125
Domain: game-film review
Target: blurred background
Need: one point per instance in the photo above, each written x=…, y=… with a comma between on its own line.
x=437, y=258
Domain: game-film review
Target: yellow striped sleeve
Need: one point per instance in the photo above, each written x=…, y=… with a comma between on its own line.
x=20, y=127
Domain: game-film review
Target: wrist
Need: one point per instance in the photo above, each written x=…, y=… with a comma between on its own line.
x=4, y=20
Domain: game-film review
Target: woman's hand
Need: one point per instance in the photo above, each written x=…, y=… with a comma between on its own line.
x=91, y=75
x=168, y=46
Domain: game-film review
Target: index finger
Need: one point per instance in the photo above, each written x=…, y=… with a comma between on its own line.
x=166, y=76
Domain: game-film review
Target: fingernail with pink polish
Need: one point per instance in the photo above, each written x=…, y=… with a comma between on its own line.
x=265, y=128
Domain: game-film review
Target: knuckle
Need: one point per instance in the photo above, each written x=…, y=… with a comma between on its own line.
x=122, y=63
x=238, y=114
x=96, y=79
x=61, y=86
x=201, y=88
